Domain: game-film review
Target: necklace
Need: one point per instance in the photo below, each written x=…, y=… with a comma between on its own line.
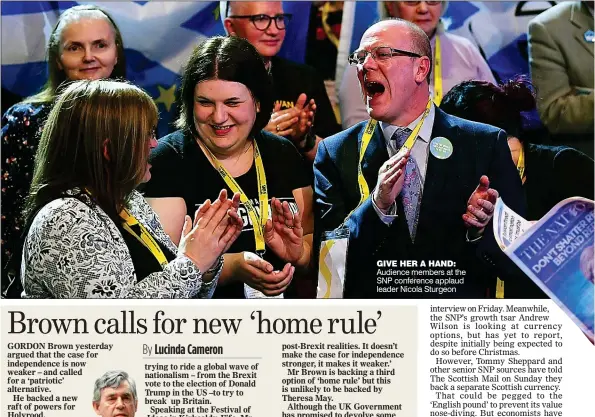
x=232, y=163
x=241, y=154
x=246, y=149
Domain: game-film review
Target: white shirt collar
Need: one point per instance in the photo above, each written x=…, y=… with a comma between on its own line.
x=425, y=132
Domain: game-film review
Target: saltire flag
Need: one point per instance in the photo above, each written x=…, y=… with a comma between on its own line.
x=158, y=38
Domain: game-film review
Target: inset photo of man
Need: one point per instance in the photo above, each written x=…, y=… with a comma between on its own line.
x=114, y=395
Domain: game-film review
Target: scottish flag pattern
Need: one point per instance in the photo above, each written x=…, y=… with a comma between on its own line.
x=158, y=38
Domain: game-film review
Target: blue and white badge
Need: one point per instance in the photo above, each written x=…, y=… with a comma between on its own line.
x=590, y=36
x=441, y=147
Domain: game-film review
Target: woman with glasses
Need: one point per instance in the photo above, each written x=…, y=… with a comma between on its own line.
x=302, y=110
x=225, y=101
x=459, y=60
x=90, y=234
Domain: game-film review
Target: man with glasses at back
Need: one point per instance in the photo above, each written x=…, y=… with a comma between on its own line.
x=303, y=112
x=432, y=178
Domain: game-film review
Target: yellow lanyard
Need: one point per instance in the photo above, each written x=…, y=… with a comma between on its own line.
x=326, y=9
x=258, y=221
x=520, y=166
x=144, y=238
x=438, y=92
x=364, y=190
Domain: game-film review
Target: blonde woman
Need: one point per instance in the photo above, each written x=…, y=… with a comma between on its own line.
x=85, y=44
x=90, y=234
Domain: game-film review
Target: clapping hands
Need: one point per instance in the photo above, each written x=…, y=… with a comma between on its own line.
x=391, y=178
x=284, y=234
x=215, y=227
x=295, y=122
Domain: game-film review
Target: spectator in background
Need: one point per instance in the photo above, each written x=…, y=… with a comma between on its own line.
x=460, y=59
x=549, y=173
x=89, y=233
x=85, y=44
x=226, y=100
x=561, y=59
x=324, y=32
x=302, y=109
x=114, y=395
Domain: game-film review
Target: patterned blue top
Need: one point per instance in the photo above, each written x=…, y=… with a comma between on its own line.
x=21, y=131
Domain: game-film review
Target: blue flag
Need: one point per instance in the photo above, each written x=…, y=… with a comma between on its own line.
x=158, y=39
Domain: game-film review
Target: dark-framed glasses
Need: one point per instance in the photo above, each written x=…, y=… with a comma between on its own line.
x=263, y=21
x=380, y=53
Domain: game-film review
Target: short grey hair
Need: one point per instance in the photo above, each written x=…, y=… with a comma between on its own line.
x=113, y=379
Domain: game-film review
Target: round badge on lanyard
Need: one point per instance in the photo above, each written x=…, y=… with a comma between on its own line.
x=441, y=147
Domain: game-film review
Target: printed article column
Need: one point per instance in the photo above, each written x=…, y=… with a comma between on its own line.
x=507, y=358
x=210, y=361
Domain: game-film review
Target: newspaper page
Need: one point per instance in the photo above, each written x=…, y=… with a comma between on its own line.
x=508, y=225
x=216, y=361
x=297, y=358
x=303, y=358
x=556, y=253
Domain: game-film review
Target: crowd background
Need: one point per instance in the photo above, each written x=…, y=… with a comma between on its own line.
x=159, y=36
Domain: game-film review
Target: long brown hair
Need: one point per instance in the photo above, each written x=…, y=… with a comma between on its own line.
x=88, y=119
x=56, y=76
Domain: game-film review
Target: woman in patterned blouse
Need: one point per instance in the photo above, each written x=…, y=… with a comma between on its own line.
x=90, y=234
x=85, y=44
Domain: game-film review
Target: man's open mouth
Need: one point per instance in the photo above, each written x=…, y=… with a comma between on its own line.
x=373, y=88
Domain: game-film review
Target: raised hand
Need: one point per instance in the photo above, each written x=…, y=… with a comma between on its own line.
x=283, y=233
x=390, y=180
x=295, y=122
x=235, y=222
x=306, y=118
x=282, y=122
x=480, y=207
x=215, y=227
